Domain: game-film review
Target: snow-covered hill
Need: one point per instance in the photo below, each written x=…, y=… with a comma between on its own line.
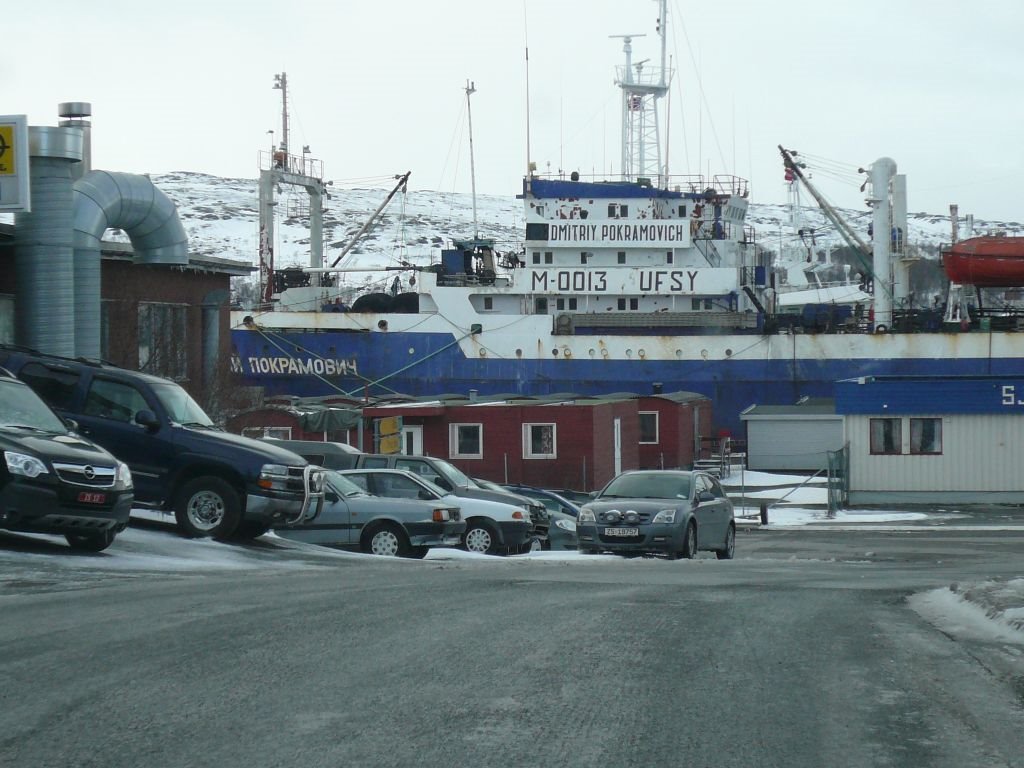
x=221, y=218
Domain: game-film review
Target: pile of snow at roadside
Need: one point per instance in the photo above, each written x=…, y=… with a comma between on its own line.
x=988, y=610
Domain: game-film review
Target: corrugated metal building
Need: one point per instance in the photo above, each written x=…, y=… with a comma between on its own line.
x=953, y=440
x=792, y=438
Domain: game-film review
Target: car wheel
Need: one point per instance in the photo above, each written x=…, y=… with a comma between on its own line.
x=729, y=550
x=250, y=529
x=689, y=549
x=386, y=540
x=90, y=542
x=208, y=506
x=480, y=536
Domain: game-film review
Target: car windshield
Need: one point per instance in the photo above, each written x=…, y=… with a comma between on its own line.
x=180, y=406
x=343, y=485
x=648, y=485
x=452, y=474
x=21, y=407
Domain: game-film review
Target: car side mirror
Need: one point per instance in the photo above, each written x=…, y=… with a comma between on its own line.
x=71, y=424
x=147, y=419
x=331, y=496
x=705, y=496
x=424, y=495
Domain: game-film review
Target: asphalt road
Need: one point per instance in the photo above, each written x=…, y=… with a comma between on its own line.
x=801, y=652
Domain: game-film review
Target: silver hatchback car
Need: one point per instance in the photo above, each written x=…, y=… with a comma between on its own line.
x=675, y=513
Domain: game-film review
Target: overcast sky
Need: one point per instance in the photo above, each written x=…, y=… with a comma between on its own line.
x=377, y=88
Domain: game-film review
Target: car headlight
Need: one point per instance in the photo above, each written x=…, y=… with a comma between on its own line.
x=566, y=525
x=586, y=516
x=123, y=477
x=665, y=516
x=25, y=465
x=273, y=477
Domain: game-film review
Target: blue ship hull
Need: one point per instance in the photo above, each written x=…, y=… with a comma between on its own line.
x=309, y=364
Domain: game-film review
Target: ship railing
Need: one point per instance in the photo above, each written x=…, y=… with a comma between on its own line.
x=278, y=160
x=721, y=185
x=647, y=77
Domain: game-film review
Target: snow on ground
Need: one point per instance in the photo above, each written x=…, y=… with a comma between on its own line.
x=989, y=611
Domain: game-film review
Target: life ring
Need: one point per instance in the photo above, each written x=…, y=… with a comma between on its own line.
x=881, y=328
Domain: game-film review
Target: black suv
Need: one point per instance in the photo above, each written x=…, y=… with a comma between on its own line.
x=213, y=482
x=52, y=480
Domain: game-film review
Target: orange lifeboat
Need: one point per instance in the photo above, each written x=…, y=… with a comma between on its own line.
x=987, y=262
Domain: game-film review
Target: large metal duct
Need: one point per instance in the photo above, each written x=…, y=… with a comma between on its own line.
x=126, y=201
x=45, y=317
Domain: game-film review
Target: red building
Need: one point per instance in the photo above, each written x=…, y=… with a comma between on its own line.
x=553, y=442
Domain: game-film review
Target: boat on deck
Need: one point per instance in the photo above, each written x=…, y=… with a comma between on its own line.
x=988, y=262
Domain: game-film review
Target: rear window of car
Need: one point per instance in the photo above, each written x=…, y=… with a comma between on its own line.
x=56, y=387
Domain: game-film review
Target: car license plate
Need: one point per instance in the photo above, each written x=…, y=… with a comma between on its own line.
x=621, y=532
x=92, y=497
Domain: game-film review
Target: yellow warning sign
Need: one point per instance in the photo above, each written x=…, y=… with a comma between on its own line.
x=390, y=444
x=390, y=425
x=8, y=166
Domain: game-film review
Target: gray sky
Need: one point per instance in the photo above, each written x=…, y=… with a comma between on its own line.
x=376, y=88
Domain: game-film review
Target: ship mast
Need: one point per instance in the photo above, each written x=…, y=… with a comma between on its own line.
x=641, y=89
x=281, y=84
x=470, y=90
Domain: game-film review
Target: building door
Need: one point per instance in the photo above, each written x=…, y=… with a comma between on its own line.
x=412, y=440
x=617, y=425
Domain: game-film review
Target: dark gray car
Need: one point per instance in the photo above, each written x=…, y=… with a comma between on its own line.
x=675, y=513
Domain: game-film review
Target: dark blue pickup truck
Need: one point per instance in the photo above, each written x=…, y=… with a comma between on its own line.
x=213, y=482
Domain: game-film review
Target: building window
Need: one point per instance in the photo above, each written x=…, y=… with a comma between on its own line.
x=926, y=436
x=162, y=349
x=549, y=257
x=573, y=304
x=105, y=330
x=621, y=257
x=668, y=257
x=536, y=257
x=6, y=319
x=488, y=302
x=465, y=441
x=539, y=441
x=540, y=306
x=634, y=303
x=648, y=427
x=886, y=436
x=278, y=433
x=696, y=304
x=621, y=304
